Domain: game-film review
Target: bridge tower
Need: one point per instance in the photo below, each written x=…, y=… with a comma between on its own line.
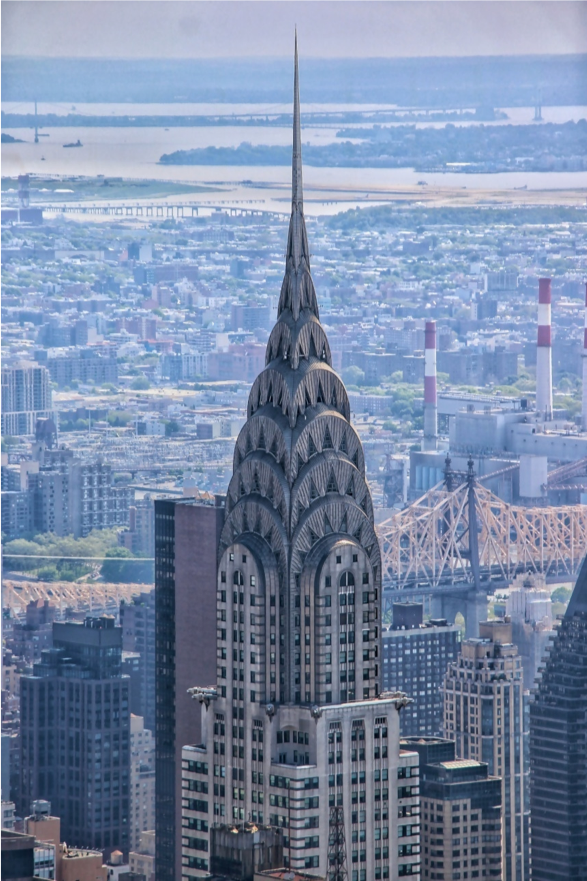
x=471, y=603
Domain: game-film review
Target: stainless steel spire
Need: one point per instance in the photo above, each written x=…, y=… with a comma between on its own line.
x=297, y=195
x=297, y=250
x=297, y=292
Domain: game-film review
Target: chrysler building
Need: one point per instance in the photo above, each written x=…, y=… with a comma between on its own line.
x=296, y=733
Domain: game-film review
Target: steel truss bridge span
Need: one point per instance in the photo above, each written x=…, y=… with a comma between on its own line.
x=159, y=210
x=430, y=545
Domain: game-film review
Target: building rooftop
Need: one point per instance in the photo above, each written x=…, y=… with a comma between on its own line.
x=455, y=764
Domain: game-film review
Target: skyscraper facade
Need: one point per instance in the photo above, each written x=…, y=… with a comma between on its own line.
x=295, y=731
x=137, y=619
x=558, y=750
x=186, y=539
x=26, y=397
x=485, y=714
x=415, y=659
x=460, y=807
x=75, y=728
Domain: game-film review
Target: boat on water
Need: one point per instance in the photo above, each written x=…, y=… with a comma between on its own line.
x=78, y=143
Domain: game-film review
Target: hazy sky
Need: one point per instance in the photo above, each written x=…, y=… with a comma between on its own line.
x=343, y=28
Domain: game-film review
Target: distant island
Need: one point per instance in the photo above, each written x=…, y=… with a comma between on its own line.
x=461, y=149
x=8, y=139
x=326, y=117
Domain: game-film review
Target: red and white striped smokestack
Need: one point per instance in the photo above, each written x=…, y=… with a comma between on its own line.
x=584, y=410
x=430, y=403
x=544, y=352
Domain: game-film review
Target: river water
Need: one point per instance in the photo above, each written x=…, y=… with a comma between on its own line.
x=134, y=153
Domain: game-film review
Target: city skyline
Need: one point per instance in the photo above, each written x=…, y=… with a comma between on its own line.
x=283, y=551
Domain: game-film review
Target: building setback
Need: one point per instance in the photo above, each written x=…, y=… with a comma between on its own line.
x=558, y=750
x=415, y=660
x=75, y=726
x=296, y=732
x=485, y=714
x=186, y=539
x=460, y=807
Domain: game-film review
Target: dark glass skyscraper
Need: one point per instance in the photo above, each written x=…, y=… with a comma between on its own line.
x=558, y=750
x=186, y=540
x=75, y=728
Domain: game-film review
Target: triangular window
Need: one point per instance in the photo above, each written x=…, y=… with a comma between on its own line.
x=327, y=527
x=344, y=524
x=308, y=399
x=357, y=534
x=355, y=459
x=241, y=489
x=249, y=445
x=331, y=486
x=261, y=442
x=313, y=537
x=311, y=446
x=333, y=398
x=343, y=447
x=364, y=503
x=350, y=490
x=300, y=463
x=256, y=482
x=270, y=490
x=313, y=491
x=327, y=443
x=273, y=449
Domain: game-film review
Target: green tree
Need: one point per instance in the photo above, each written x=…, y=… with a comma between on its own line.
x=561, y=595
x=141, y=383
x=353, y=375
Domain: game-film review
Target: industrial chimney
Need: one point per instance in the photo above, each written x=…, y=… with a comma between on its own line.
x=584, y=408
x=430, y=404
x=543, y=353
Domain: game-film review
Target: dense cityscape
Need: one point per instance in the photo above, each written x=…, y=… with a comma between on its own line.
x=294, y=508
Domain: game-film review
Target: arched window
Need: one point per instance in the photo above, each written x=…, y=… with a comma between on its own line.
x=238, y=578
x=347, y=579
